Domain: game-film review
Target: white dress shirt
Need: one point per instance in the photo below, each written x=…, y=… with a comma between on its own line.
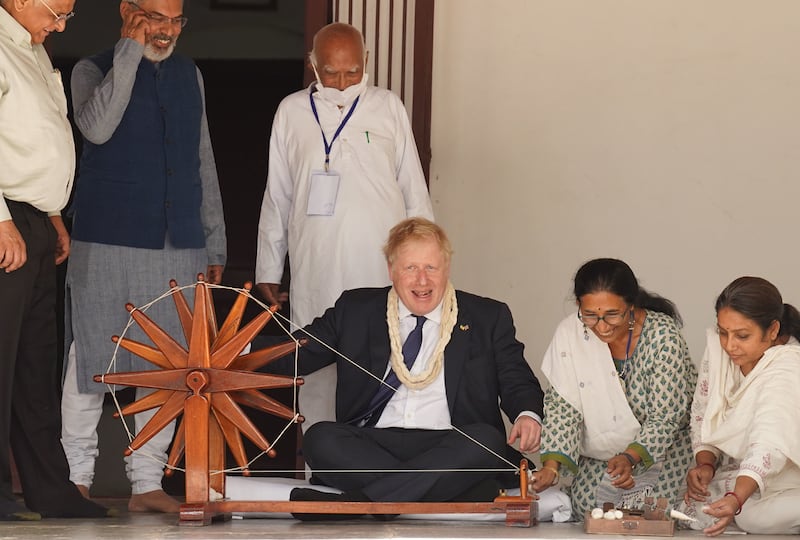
x=37, y=151
x=425, y=408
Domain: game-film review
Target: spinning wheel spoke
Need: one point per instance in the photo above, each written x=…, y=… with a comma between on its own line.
x=156, y=399
x=226, y=381
x=257, y=400
x=222, y=404
x=233, y=320
x=223, y=353
x=234, y=439
x=166, y=414
x=199, y=352
x=183, y=309
x=173, y=379
x=152, y=355
x=176, y=354
x=178, y=447
x=258, y=359
x=211, y=314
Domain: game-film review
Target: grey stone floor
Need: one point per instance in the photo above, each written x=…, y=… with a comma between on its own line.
x=160, y=526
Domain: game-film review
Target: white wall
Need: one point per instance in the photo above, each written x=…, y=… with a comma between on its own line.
x=662, y=132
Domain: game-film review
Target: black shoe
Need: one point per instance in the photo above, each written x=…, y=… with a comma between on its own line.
x=13, y=510
x=314, y=481
x=308, y=494
x=26, y=515
x=79, y=507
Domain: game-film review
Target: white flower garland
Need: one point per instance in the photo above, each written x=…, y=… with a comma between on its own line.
x=434, y=367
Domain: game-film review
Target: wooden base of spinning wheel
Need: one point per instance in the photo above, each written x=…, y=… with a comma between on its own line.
x=207, y=383
x=520, y=511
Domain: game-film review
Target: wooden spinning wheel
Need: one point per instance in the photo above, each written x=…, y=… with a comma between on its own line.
x=207, y=383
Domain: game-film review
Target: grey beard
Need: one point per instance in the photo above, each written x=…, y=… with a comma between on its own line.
x=154, y=55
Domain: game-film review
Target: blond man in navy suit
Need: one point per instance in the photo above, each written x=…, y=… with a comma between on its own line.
x=445, y=412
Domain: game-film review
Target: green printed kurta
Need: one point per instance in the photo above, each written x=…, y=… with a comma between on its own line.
x=659, y=389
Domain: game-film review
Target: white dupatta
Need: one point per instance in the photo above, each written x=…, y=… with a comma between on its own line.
x=762, y=408
x=583, y=373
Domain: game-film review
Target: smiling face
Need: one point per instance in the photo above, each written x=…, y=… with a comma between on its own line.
x=420, y=272
x=37, y=19
x=743, y=339
x=164, y=27
x=613, y=311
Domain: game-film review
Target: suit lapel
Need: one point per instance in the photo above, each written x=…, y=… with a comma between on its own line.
x=377, y=357
x=455, y=355
x=372, y=354
x=379, y=349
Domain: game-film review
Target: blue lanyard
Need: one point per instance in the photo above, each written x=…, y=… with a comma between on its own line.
x=338, y=130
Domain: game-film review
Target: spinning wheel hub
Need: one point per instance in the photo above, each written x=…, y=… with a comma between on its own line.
x=197, y=380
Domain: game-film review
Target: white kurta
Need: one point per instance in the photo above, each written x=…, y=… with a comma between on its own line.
x=381, y=183
x=750, y=424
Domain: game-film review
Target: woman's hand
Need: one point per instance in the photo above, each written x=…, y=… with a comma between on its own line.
x=620, y=469
x=724, y=510
x=544, y=478
x=697, y=480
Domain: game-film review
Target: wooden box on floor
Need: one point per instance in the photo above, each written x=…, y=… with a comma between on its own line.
x=629, y=524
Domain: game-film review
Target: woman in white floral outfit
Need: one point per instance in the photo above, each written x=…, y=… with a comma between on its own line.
x=746, y=416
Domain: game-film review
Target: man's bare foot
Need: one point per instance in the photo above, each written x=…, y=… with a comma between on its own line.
x=84, y=490
x=154, y=501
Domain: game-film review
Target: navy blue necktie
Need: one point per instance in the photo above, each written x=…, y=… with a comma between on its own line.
x=383, y=395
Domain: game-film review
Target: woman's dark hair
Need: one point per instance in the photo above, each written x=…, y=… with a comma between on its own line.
x=616, y=277
x=760, y=301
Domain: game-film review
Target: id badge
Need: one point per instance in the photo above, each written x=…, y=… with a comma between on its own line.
x=322, y=196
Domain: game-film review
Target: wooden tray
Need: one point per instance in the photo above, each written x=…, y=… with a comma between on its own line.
x=629, y=524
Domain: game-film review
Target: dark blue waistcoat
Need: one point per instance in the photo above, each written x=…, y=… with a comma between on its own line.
x=144, y=182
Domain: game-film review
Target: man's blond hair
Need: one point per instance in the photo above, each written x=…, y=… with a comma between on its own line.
x=416, y=228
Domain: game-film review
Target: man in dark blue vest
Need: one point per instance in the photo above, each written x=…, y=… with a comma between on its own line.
x=147, y=209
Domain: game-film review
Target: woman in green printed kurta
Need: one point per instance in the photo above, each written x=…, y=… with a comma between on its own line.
x=617, y=411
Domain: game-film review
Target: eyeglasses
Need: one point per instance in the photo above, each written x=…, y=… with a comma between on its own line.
x=611, y=319
x=64, y=17
x=158, y=18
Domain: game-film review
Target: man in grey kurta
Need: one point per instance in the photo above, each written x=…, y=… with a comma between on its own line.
x=147, y=209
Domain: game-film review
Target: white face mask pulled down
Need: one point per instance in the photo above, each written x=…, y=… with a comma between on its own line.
x=340, y=98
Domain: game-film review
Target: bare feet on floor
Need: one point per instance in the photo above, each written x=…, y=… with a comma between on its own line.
x=154, y=501
x=84, y=490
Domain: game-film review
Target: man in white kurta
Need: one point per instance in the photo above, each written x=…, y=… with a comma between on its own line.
x=334, y=223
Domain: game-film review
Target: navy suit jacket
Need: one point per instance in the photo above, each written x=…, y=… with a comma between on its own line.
x=484, y=364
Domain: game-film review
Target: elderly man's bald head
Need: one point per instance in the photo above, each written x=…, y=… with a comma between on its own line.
x=338, y=55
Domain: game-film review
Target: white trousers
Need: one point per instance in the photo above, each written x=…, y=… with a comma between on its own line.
x=80, y=415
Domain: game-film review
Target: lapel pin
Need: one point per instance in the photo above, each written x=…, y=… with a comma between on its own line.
x=464, y=327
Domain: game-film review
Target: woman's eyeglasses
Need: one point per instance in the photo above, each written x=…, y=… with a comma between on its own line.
x=612, y=319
